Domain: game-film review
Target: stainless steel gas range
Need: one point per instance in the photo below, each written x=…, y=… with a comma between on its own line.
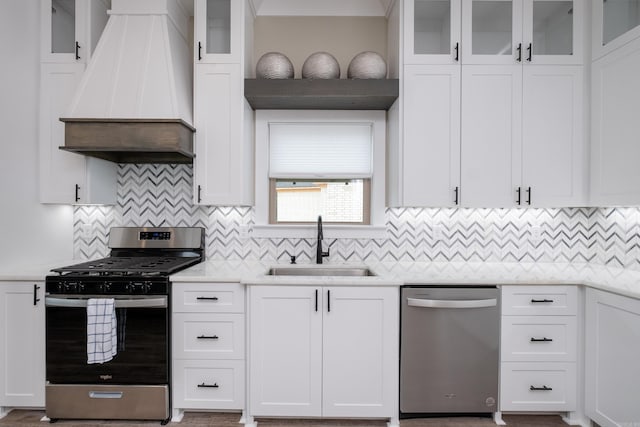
x=108, y=325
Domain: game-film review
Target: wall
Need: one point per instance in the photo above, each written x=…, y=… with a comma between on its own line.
x=27, y=228
x=160, y=195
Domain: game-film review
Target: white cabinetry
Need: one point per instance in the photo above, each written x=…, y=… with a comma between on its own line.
x=223, y=166
x=539, y=348
x=207, y=347
x=70, y=31
x=323, y=351
x=612, y=379
x=615, y=23
x=22, y=345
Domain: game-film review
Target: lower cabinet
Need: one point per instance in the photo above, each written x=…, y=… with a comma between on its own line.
x=612, y=347
x=207, y=347
x=22, y=344
x=323, y=351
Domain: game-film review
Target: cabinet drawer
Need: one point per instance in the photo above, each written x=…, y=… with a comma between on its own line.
x=207, y=384
x=539, y=300
x=208, y=336
x=539, y=338
x=208, y=297
x=540, y=386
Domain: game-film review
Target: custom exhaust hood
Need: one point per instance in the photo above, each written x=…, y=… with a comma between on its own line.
x=134, y=101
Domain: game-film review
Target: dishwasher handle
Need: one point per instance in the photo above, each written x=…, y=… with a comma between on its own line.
x=436, y=303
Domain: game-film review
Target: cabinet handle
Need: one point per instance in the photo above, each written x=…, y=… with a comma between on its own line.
x=528, y=195
x=207, y=298
x=203, y=385
x=199, y=194
x=316, y=300
x=211, y=337
x=543, y=388
x=77, y=193
x=199, y=51
x=77, y=50
x=519, y=49
x=529, y=49
x=537, y=301
x=518, y=192
x=35, y=294
x=328, y=301
x=457, y=49
x=457, y=193
x=544, y=339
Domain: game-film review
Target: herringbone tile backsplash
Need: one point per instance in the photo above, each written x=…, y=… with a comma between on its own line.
x=161, y=195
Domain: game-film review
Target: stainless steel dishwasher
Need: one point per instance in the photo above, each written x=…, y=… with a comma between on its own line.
x=449, y=351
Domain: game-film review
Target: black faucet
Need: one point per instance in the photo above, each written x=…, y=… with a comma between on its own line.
x=319, y=253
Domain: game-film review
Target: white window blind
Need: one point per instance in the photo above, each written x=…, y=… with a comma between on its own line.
x=320, y=150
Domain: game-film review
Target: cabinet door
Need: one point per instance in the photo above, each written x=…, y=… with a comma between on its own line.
x=612, y=349
x=492, y=32
x=223, y=141
x=553, y=149
x=491, y=135
x=360, y=352
x=22, y=335
x=432, y=31
x=615, y=23
x=218, y=31
x=553, y=32
x=430, y=165
x=615, y=175
x=285, y=351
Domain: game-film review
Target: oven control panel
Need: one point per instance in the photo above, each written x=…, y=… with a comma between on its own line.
x=155, y=235
x=111, y=286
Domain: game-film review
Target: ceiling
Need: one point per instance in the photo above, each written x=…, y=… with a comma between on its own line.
x=321, y=7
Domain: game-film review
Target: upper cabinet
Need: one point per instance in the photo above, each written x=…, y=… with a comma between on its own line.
x=218, y=31
x=432, y=31
x=615, y=23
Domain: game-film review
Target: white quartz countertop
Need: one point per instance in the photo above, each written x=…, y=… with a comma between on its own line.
x=31, y=272
x=617, y=280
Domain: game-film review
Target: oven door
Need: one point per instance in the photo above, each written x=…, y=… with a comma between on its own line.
x=143, y=341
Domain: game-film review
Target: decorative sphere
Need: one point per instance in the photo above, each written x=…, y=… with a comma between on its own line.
x=274, y=65
x=321, y=65
x=367, y=65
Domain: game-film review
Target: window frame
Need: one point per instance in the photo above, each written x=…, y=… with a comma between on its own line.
x=262, y=227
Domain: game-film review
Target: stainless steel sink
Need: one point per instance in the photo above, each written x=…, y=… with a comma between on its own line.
x=320, y=271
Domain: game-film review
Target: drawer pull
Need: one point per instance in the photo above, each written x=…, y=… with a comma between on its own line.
x=544, y=339
x=214, y=337
x=207, y=298
x=537, y=301
x=543, y=388
x=203, y=385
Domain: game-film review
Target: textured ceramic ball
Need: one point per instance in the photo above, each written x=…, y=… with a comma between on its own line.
x=367, y=65
x=321, y=65
x=274, y=65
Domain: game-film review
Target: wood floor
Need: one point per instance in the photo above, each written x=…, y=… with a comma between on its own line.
x=23, y=418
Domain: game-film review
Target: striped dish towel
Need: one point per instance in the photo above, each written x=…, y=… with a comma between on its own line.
x=102, y=336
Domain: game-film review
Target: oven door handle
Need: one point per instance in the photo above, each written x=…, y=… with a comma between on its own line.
x=159, y=302
x=434, y=303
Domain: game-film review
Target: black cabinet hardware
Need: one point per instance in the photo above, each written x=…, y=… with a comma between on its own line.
x=519, y=49
x=545, y=339
x=316, y=300
x=529, y=52
x=203, y=385
x=457, y=49
x=199, y=51
x=207, y=337
x=293, y=259
x=328, y=301
x=35, y=294
x=77, y=51
x=199, y=193
x=77, y=193
x=528, y=195
x=207, y=298
x=543, y=388
x=457, y=193
x=536, y=301
x=518, y=191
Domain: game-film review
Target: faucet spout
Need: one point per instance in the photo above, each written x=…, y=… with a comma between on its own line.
x=319, y=252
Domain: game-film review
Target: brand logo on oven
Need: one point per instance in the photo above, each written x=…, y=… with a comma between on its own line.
x=106, y=377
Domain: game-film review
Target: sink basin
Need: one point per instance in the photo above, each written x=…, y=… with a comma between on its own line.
x=320, y=271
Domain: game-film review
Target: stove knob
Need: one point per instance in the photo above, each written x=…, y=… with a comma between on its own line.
x=71, y=287
x=147, y=287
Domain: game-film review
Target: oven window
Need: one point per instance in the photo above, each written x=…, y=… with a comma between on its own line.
x=143, y=348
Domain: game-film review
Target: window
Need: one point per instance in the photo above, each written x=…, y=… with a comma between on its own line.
x=311, y=163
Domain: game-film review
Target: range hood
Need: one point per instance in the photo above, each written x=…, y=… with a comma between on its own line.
x=134, y=101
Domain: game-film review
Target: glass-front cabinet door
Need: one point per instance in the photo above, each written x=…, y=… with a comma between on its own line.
x=63, y=32
x=432, y=31
x=615, y=22
x=217, y=31
x=553, y=31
